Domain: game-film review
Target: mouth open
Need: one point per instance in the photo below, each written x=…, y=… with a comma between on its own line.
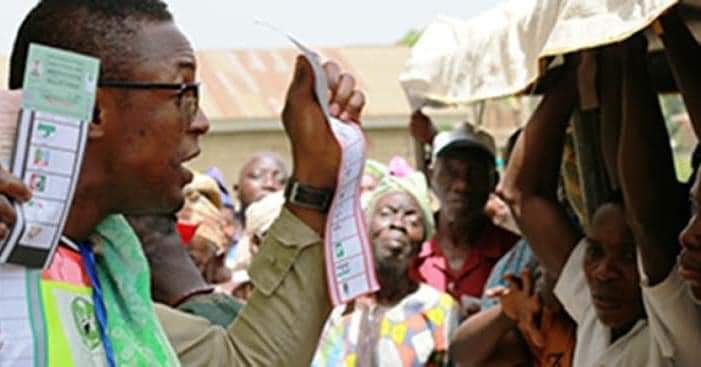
x=191, y=156
x=605, y=303
x=396, y=243
x=187, y=175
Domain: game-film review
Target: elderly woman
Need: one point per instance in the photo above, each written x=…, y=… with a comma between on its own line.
x=405, y=323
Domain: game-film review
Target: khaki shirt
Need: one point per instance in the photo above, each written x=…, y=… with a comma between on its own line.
x=282, y=322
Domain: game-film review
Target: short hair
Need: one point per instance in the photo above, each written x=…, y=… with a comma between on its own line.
x=264, y=154
x=100, y=28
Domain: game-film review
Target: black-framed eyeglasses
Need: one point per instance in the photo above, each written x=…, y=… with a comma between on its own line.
x=188, y=94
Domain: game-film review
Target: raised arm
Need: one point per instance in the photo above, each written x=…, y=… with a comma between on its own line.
x=423, y=131
x=530, y=181
x=684, y=55
x=653, y=197
x=282, y=321
x=609, y=87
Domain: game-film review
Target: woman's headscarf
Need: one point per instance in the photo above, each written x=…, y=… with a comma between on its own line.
x=413, y=184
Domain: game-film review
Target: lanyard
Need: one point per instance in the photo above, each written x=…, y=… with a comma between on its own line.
x=88, y=256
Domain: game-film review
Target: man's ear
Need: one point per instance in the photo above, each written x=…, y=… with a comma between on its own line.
x=96, y=130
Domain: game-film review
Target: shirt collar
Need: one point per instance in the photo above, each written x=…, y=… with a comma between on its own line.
x=430, y=248
x=492, y=250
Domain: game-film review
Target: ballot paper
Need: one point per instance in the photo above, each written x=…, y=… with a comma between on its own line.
x=47, y=150
x=350, y=268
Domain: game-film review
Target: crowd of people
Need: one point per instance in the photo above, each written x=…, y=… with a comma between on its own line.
x=476, y=267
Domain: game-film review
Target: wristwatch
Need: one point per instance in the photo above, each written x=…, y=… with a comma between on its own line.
x=307, y=196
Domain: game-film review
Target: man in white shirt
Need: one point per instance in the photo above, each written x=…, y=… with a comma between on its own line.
x=619, y=283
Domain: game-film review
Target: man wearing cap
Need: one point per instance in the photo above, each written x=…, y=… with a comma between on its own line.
x=459, y=258
x=405, y=323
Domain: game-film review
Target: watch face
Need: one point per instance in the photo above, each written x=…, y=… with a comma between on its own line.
x=308, y=196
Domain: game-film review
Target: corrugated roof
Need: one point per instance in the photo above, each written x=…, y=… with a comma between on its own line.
x=251, y=84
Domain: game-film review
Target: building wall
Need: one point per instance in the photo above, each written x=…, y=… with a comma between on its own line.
x=230, y=150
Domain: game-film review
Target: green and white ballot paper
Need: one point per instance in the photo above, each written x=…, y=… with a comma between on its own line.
x=57, y=106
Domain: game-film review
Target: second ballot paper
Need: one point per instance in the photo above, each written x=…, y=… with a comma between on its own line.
x=350, y=270
x=57, y=104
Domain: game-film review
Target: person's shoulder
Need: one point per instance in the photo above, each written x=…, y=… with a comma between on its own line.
x=429, y=248
x=342, y=313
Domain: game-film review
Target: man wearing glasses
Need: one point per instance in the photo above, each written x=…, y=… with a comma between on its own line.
x=146, y=125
